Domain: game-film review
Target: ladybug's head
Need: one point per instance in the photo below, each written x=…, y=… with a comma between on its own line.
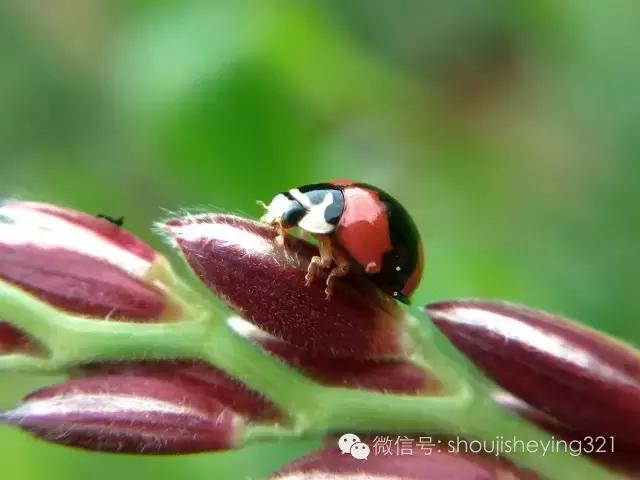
x=284, y=210
x=314, y=208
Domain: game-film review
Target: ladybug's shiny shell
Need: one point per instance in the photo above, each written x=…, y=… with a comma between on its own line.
x=365, y=223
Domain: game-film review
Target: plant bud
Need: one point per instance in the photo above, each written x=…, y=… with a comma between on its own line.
x=582, y=378
x=128, y=414
x=331, y=463
x=240, y=261
x=80, y=263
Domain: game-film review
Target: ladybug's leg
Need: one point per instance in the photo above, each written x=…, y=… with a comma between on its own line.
x=320, y=261
x=303, y=234
x=281, y=233
x=340, y=270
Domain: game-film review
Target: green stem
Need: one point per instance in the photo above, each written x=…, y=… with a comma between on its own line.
x=463, y=409
x=531, y=447
x=35, y=318
x=18, y=362
x=282, y=384
x=370, y=411
x=74, y=340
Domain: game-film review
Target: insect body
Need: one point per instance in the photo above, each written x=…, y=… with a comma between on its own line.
x=116, y=221
x=358, y=227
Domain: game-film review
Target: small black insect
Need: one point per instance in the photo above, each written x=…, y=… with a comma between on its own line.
x=116, y=221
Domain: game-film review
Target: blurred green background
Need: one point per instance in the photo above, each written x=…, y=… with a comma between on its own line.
x=508, y=128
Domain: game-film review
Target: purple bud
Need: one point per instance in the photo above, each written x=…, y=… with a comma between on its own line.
x=240, y=261
x=80, y=284
x=51, y=227
x=331, y=464
x=128, y=414
x=79, y=263
x=605, y=450
x=386, y=375
x=584, y=379
x=197, y=376
x=393, y=376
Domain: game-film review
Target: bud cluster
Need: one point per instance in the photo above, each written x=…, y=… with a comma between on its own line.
x=567, y=378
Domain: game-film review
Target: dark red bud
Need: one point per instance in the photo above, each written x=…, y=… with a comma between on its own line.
x=197, y=376
x=240, y=261
x=80, y=263
x=80, y=284
x=584, y=379
x=128, y=414
x=331, y=464
x=393, y=375
x=49, y=226
x=72, y=223
x=616, y=455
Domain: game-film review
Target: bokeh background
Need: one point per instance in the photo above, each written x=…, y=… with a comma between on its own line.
x=509, y=128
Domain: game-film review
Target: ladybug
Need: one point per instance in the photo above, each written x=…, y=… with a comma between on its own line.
x=359, y=228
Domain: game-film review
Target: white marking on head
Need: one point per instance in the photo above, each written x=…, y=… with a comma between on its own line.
x=277, y=208
x=398, y=268
x=302, y=198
